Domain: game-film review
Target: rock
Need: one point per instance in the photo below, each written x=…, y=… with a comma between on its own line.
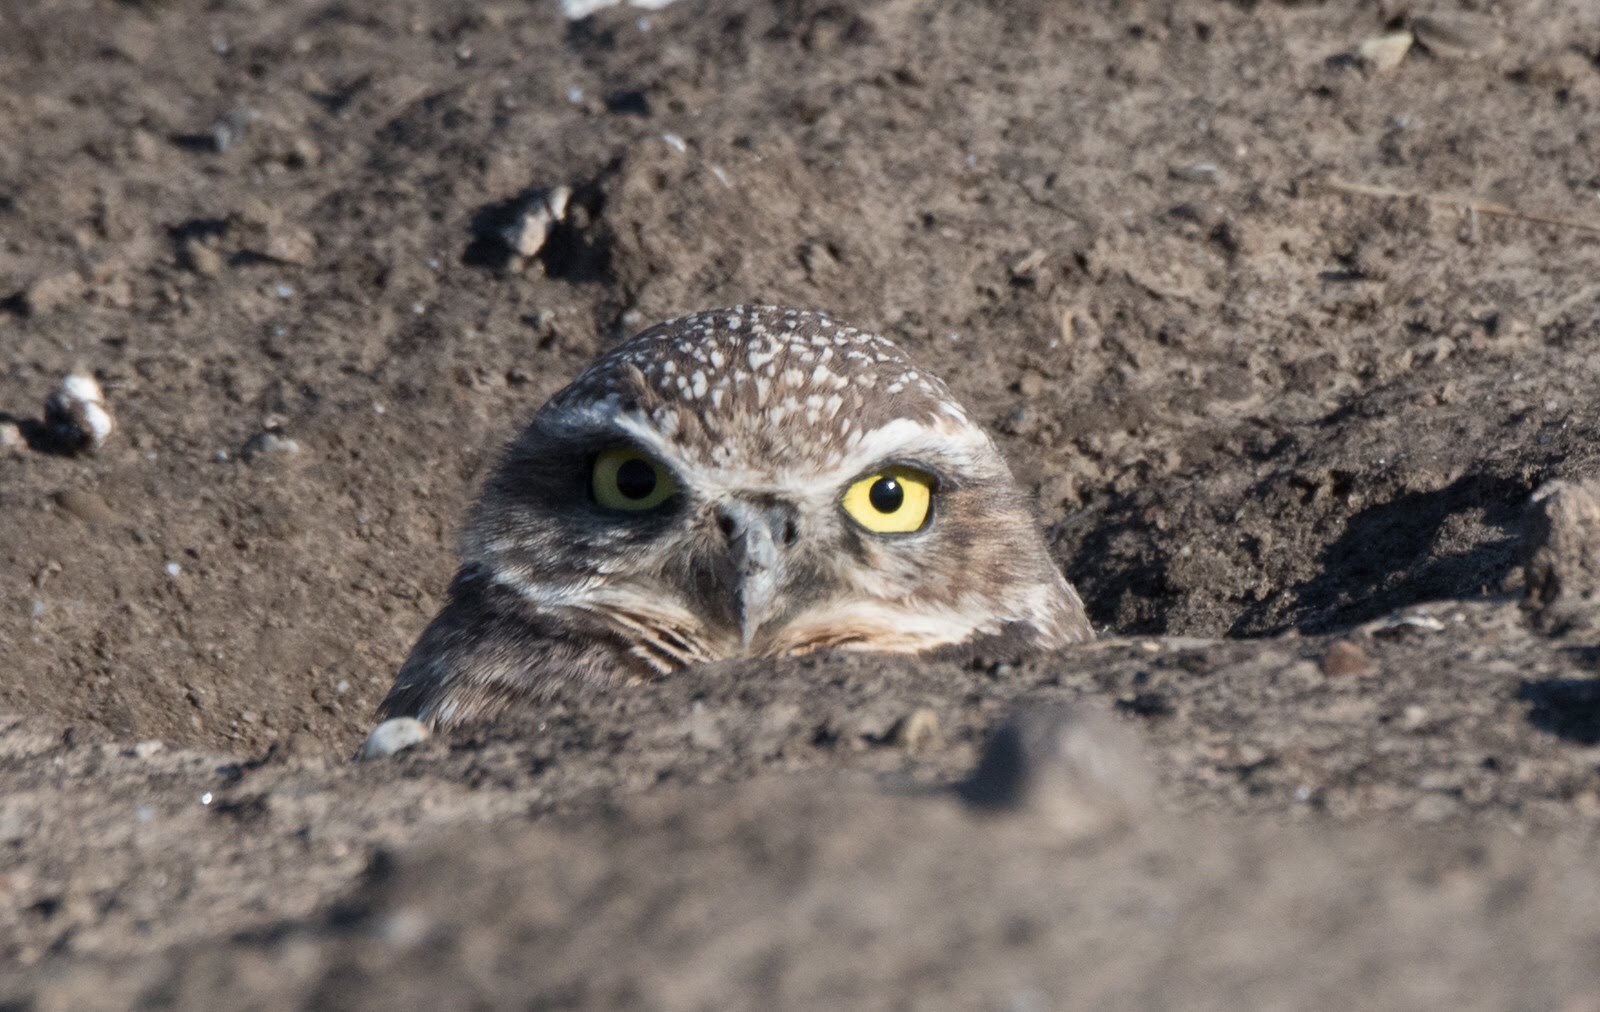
x=394, y=735
x=269, y=444
x=1195, y=172
x=75, y=415
x=1345, y=658
x=1458, y=35
x=526, y=234
x=12, y=441
x=917, y=730
x=229, y=128
x=1561, y=556
x=290, y=244
x=146, y=749
x=201, y=258
x=1077, y=768
x=88, y=507
x=1384, y=52
x=300, y=747
x=258, y=230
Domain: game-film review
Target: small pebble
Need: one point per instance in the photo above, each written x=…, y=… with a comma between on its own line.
x=88, y=507
x=526, y=234
x=75, y=415
x=1195, y=172
x=291, y=244
x=1345, y=658
x=1458, y=35
x=230, y=127
x=173, y=570
x=11, y=438
x=1384, y=52
x=269, y=444
x=146, y=749
x=394, y=735
x=201, y=258
x=917, y=730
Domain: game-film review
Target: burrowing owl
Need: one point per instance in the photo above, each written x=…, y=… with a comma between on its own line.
x=744, y=482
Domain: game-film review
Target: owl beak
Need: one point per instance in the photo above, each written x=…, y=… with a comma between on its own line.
x=758, y=535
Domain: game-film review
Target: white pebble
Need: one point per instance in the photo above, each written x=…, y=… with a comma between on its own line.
x=269, y=444
x=173, y=569
x=394, y=735
x=526, y=235
x=76, y=414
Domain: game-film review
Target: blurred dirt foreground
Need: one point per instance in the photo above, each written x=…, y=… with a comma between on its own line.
x=1288, y=314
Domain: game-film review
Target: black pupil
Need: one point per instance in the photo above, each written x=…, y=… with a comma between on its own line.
x=886, y=495
x=636, y=479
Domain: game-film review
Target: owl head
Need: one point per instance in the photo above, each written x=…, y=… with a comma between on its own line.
x=743, y=482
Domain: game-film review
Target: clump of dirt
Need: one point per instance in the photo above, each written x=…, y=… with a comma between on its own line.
x=1283, y=340
x=1562, y=551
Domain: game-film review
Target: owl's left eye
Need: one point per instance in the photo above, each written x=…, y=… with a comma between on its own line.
x=628, y=480
x=896, y=500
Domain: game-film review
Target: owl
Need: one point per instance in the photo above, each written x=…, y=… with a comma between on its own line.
x=748, y=482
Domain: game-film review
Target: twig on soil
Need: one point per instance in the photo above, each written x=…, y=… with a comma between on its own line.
x=1472, y=205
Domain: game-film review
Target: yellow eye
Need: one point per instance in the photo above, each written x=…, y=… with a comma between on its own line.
x=628, y=480
x=893, y=501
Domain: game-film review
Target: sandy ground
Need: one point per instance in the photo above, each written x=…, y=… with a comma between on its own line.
x=1282, y=341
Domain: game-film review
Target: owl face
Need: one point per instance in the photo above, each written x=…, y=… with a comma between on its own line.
x=753, y=482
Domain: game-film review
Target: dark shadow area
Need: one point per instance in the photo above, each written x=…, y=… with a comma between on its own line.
x=1389, y=556
x=195, y=143
x=575, y=250
x=1106, y=573
x=1568, y=708
x=197, y=228
x=628, y=102
x=42, y=438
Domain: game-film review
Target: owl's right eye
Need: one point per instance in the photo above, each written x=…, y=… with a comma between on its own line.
x=628, y=480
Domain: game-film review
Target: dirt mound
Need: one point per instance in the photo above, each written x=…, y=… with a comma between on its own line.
x=1283, y=342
